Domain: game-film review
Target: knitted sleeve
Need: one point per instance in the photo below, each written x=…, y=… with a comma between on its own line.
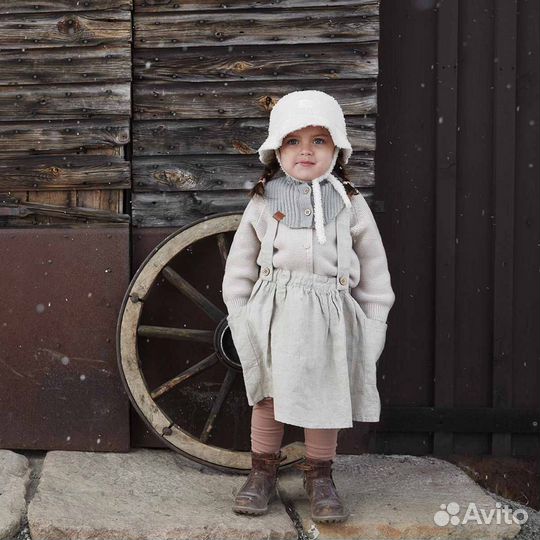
x=374, y=291
x=241, y=269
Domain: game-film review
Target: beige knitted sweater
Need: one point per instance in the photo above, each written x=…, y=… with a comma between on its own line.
x=296, y=248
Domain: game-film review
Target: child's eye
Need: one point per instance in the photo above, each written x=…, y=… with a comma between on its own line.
x=320, y=139
x=289, y=141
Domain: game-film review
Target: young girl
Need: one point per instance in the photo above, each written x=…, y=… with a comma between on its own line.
x=308, y=293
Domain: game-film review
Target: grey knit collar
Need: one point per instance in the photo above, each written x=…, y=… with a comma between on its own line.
x=294, y=181
x=293, y=197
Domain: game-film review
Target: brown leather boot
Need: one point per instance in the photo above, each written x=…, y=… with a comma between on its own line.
x=260, y=487
x=326, y=505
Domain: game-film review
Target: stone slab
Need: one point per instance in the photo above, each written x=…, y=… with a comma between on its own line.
x=392, y=497
x=14, y=479
x=143, y=495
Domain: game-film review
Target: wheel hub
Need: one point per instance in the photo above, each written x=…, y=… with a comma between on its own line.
x=224, y=346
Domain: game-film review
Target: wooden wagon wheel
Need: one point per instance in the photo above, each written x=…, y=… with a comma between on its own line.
x=161, y=267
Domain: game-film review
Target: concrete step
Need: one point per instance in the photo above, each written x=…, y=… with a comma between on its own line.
x=142, y=495
x=159, y=494
x=14, y=480
x=402, y=497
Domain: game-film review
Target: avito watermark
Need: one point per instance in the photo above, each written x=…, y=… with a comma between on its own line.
x=448, y=514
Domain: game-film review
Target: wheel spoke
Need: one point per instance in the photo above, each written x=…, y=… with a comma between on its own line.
x=182, y=334
x=185, y=375
x=216, y=407
x=193, y=294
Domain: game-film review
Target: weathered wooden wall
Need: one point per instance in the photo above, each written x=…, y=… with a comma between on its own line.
x=65, y=107
x=206, y=77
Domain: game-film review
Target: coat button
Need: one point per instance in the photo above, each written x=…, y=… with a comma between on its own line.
x=343, y=280
x=307, y=211
x=306, y=190
x=266, y=271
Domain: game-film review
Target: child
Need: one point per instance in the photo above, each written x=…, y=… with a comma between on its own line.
x=308, y=293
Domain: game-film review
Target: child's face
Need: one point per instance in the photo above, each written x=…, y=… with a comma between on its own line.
x=307, y=153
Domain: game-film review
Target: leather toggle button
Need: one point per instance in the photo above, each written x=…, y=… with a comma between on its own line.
x=343, y=280
x=279, y=215
x=307, y=211
x=266, y=271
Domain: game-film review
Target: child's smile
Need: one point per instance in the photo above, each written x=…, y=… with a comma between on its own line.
x=307, y=153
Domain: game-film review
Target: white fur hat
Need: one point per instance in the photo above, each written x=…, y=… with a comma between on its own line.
x=300, y=109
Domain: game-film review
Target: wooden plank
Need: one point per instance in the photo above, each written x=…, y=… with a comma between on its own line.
x=474, y=220
x=26, y=223
x=357, y=24
x=83, y=29
x=158, y=6
x=526, y=316
x=61, y=172
x=459, y=419
x=256, y=62
x=182, y=208
x=64, y=212
x=8, y=7
x=58, y=101
x=55, y=198
x=235, y=100
x=216, y=172
x=447, y=78
x=74, y=65
x=103, y=199
x=63, y=136
x=227, y=136
x=504, y=158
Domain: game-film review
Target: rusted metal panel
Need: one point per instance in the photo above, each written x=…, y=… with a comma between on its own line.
x=59, y=383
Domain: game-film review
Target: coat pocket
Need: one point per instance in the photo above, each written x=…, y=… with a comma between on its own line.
x=239, y=327
x=373, y=341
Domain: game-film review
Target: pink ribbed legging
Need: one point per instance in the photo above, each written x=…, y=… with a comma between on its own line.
x=267, y=434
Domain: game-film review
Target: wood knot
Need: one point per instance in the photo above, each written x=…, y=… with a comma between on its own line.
x=241, y=66
x=50, y=172
x=69, y=24
x=242, y=147
x=267, y=102
x=175, y=178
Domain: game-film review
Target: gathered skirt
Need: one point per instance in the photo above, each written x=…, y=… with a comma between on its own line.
x=311, y=348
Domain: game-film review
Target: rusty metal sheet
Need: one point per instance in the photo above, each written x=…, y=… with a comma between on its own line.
x=59, y=383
